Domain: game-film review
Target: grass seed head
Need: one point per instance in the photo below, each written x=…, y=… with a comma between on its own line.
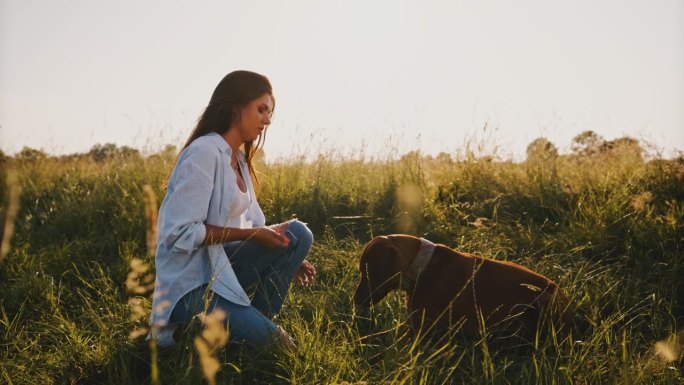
x=668, y=350
x=214, y=336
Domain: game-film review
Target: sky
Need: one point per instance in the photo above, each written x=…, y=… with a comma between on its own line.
x=350, y=77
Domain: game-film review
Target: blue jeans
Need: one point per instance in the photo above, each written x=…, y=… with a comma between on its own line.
x=268, y=272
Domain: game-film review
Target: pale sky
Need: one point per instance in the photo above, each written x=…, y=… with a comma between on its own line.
x=371, y=76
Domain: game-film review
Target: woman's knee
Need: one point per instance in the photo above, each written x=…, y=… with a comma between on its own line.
x=301, y=232
x=247, y=324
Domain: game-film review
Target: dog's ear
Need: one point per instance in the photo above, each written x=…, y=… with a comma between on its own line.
x=379, y=271
x=362, y=295
x=380, y=253
x=374, y=243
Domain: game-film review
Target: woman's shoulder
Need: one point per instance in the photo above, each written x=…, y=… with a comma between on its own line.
x=202, y=150
x=208, y=142
x=208, y=145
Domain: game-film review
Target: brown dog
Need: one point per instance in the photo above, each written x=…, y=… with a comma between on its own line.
x=448, y=288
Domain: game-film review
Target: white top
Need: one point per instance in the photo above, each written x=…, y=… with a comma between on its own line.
x=202, y=189
x=237, y=211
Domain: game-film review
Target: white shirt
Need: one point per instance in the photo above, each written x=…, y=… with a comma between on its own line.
x=202, y=189
x=237, y=211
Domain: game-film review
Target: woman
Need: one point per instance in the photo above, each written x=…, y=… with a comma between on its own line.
x=212, y=239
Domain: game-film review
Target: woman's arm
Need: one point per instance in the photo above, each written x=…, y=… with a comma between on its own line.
x=265, y=236
x=184, y=210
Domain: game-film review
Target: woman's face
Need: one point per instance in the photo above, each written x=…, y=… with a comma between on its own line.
x=254, y=118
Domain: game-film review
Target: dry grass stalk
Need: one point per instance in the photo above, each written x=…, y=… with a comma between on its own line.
x=145, y=278
x=139, y=280
x=138, y=332
x=150, y=200
x=11, y=215
x=139, y=283
x=213, y=338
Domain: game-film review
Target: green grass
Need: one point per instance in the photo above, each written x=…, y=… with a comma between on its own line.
x=609, y=228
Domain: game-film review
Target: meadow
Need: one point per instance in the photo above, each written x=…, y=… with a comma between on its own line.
x=605, y=222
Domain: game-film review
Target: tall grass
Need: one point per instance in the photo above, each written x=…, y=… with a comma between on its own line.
x=609, y=229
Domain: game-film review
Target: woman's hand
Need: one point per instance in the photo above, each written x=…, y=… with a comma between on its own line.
x=281, y=229
x=306, y=274
x=269, y=238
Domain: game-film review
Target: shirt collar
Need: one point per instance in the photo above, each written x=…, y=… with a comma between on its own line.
x=219, y=142
x=223, y=145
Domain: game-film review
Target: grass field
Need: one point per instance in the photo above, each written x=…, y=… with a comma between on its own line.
x=604, y=223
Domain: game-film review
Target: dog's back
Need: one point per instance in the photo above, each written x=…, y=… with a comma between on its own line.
x=459, y=288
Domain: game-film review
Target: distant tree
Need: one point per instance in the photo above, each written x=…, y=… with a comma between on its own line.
x=444, y=157
x=588, y=143
x=170, y=149
x=411, y=156
x=541, y=150
x=102, y=152
x=625, y=147
x=127, y=152
x=31, y=154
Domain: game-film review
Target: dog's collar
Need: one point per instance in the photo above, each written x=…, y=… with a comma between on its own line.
x=421, y=260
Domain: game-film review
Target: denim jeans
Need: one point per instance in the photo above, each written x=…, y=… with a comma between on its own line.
x=268, y=272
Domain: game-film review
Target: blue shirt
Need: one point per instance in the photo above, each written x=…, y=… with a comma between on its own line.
x=201, y=189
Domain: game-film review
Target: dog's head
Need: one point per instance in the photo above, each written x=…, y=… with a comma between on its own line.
x=381, y=265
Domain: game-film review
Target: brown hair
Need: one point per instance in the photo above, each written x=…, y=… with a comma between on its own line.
x=231, y=95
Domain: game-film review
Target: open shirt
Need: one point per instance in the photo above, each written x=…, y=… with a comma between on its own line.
x=201, y=190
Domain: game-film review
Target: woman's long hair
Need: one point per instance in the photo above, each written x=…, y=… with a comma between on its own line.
x=231, y=95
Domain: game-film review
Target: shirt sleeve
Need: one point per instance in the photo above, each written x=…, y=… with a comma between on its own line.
x=186, y=205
